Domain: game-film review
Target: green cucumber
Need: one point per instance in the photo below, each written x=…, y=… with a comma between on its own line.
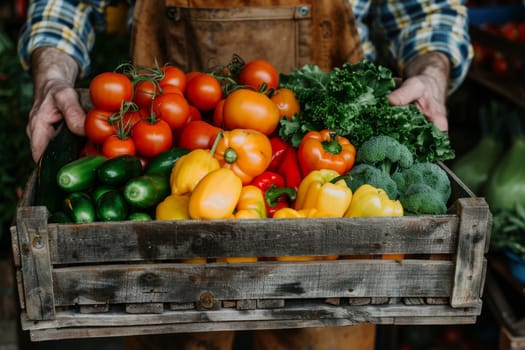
x=146, y=190
x=163, y=163
x=139, y=216
x=79, y=174
x=111, y=206
x=79, y=207
x=63, y=148
x=98, y=191
x=118, y=170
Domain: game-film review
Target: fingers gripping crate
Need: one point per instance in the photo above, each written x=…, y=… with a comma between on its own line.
x=125, y=278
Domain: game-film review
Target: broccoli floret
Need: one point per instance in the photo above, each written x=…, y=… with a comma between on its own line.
x=386, y=153
x=426, y=173
x=421, y=199
x=367, y=174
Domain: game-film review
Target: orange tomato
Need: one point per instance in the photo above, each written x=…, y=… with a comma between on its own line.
x=248, y=109
x=286, y=102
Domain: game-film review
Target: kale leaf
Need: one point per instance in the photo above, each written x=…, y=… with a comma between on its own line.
x=352, y=101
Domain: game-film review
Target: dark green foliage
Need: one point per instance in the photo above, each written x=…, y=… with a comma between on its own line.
x=16, y=163
x=353, y=102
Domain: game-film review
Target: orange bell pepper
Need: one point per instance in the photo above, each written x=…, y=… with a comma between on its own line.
x=325, y=150
x=246, y=152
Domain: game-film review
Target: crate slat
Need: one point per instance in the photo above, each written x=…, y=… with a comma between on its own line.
x=162, y=240
x=36, y=264
x=186, y=282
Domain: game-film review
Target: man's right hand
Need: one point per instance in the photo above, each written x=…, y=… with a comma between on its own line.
x=54, y=75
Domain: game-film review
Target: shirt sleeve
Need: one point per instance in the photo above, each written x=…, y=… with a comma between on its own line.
x=67, y=25
x=413, y=27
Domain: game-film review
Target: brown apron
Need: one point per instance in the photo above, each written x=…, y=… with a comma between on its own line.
x=200, y=34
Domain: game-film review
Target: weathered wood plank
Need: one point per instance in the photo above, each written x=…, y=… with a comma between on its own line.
x=294, y=310
x=36, y=264
x=298, y=315
x=92, y=332
x=167, y=240
x=148, y=283
x=474, y=228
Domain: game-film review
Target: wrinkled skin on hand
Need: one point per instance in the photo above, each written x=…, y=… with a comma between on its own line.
x=54, y=76
x=426, y=84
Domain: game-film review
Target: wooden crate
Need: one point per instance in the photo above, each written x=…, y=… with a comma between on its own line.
x=126, y=278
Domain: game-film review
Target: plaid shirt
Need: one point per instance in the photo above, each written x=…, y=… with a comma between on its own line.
x=408, y=27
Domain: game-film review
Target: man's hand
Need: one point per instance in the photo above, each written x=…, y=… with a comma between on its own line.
x=425, y=85
x=54, y=76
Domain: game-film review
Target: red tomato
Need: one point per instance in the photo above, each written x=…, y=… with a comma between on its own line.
x=171, y=89
x=218, y=114
x=115, y=146
x=198, y=134
x=145, y=92
x=109, y=89
x=97, y=126
x=191, y=75
x=257, y=72
x=286, y=102
x=173, y=76
x=195, y=114
x=173, y=108
x=248, y=109
x=129, y=119
x=152, y=137
x=204, y=92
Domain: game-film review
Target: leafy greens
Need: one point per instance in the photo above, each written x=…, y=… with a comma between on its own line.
x=353, y=101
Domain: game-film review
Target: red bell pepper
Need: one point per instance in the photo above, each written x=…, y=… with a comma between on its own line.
x=279, y=147
x=290, y=169
x=276, y=195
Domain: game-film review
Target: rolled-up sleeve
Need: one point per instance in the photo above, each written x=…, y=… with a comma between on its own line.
x=415, y=27
x=65, y=25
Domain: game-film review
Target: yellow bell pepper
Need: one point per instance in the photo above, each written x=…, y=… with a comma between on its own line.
x=371, y=201
x=251, y=204
x=216, y=195
x=289, y=213
x=317, y=192
x=192, y=167
x=173, y=207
